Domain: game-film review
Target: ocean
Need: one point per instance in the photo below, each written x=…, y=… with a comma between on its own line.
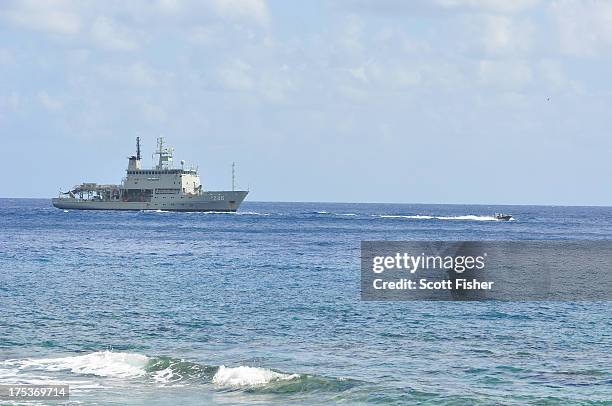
x=263, y=307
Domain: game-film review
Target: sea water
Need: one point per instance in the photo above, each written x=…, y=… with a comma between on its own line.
x=263, y=307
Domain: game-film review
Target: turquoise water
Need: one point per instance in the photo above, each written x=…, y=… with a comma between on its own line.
x=263, y=307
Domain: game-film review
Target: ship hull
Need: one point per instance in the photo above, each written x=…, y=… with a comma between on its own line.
x=221, y=201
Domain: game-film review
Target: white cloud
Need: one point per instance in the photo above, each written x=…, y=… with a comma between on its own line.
x=584, y=27
x=395, y=74
x=505, y=35
x=275, y=86
x=404, y=76
x=439, y=7
x=50, y=103
x=55, y=17
x=201, y=34
x=6, y=56
x=110, y=35
x=133, y=75
x=153, y=113
x=495, y=6
x=169, y=6
x=394, y=39
x=552, y=73
x=205, y=35
x=236, y=75
x=350, y=37
x=249, y=10
x=118, y=25
x=508, y=75
x=359, y=73
x=10, y=102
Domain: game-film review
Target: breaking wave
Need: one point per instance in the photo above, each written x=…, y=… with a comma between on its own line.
x=248, y=376
x=168, y=371
x=101, y=363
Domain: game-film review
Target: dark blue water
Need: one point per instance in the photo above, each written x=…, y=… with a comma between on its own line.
x=263, y=307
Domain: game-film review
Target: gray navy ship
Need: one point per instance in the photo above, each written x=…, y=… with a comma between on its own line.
x=158, y=188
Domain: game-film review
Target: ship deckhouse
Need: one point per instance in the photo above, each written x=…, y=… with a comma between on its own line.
x=163, y=179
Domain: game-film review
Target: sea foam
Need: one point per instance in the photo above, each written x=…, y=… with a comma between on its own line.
x=101, y=363
x=248, y=376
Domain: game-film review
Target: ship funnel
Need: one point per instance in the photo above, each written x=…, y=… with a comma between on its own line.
x=134, y=161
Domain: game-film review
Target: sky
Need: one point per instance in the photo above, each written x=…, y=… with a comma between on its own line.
x=439, y=101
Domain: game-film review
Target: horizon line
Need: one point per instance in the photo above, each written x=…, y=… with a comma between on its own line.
x=370, y=202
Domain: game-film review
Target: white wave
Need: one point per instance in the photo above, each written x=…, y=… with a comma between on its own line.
x=248, y=376
x=101, y=363
x=346, y=214
x=125, y=365
x=66, y=211
x=164, y=375
x=322, y=212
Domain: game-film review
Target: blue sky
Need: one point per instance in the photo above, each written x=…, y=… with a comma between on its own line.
x=441, y=101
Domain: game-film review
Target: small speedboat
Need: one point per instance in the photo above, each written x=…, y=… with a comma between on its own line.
x=502, y=216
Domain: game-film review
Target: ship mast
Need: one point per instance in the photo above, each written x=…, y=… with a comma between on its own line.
x=165, y=155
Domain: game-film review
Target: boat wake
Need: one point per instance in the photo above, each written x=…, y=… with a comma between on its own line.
x=468, y=217
x=323, y=212
x=234, y=213
x=161, y=371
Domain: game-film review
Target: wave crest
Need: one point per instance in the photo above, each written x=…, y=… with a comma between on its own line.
x=101, y=363
x=248, y=376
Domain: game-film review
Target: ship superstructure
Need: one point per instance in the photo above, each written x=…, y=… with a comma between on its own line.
x=160, y=188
